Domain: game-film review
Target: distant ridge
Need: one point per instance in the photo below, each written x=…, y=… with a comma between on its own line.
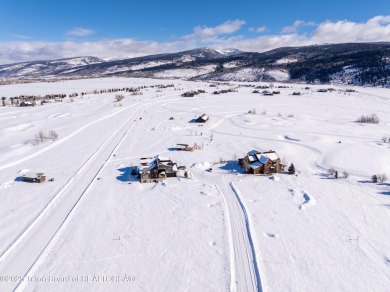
x=351, y=63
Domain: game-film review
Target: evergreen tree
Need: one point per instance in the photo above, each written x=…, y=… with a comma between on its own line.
x=291, y=169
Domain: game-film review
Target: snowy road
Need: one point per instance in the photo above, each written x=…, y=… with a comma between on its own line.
x=22, y=255
x=244, y=271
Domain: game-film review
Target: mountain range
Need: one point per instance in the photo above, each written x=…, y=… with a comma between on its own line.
x=351, y=63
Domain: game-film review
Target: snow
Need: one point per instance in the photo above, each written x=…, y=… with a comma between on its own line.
x=252, y=74
x=202, y=165
x=95, y=227
x=185, y=73
x=286, y=61
x=279, y=75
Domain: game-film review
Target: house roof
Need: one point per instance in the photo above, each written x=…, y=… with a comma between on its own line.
x=255, y=165
x=162, y=158
x=261, y=158
x=33, y=174
x=252, y=158
x=271, y=155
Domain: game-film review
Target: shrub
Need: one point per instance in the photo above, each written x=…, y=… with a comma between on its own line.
x=331, y=171
x=40, y=137
x=345, y=174
x=119, y=97
x=373, y=119
x=53, y=135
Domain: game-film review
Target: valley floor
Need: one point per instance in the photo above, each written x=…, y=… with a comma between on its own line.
x=96, y=228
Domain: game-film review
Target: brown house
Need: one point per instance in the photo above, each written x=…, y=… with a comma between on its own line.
x=261, y=162
x=157, y=169
x=34, y=177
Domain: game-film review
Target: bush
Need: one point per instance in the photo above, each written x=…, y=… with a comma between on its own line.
x=53, y=135
x=119, y=97
x=373, y=119
x=345, y=174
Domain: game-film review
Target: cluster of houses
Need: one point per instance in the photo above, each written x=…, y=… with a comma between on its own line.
x=192, y=93
x=267, y=92
x=224, y=91
x=159, y=168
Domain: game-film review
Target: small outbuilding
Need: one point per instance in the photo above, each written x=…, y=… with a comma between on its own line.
x=36, y=177
x=184, y=147
x=202, y=119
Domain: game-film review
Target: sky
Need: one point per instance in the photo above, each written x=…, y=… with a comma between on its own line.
x=53, y=29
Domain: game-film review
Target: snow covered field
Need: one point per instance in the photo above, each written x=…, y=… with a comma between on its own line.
x=96, y=228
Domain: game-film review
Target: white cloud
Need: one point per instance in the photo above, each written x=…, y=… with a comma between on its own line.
x=80, y=32
x=258, y=29
x=296, y=25
x=21, y=37
x=375, y=29
x=206, y=33
x=261, y=29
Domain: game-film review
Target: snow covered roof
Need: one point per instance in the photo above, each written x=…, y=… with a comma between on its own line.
x=33, y=174
x=255, y=164
x=272, y=155
x=152, y=165
x=162, y=158
x=252, y=158
x=262, y=159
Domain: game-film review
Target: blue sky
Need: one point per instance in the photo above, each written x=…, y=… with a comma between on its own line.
x=45, y=29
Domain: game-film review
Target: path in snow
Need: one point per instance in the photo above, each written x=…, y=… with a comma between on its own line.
x=245, y=275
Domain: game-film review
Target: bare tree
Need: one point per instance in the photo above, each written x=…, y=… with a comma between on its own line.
x=382, y=177
x=331, y=171
x=53, y=135
x=40, y=137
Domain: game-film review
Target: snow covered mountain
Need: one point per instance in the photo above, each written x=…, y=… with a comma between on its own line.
x=44, y=68
x=362, y=63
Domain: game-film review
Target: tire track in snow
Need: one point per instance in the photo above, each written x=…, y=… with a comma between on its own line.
x=244, y=272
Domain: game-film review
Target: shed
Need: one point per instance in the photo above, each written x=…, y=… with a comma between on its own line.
x=184, y=147
x=202, y=119
x=37, y=177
